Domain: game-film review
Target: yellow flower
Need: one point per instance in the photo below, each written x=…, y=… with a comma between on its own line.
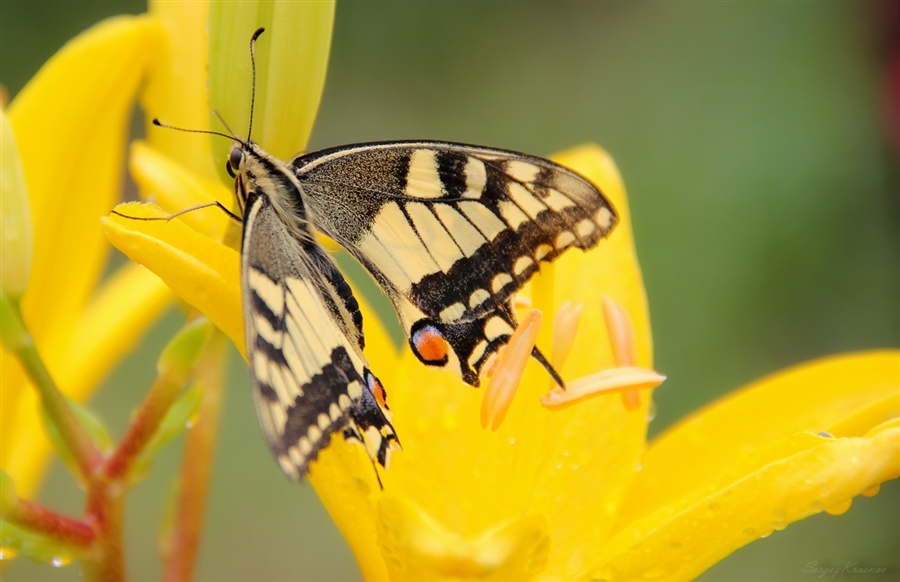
x=70, y=124
x=575, y=493
x=567, y=494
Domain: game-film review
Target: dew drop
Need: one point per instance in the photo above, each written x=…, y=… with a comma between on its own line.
x=60, y=561
x=512, y=440
x=713, y=508
x=872, y=491
x=565, y=453
x=750, y=532
x=780, y=519
x=676, y=545
x=651, y=411
x=639, y=467
x=575, y=466
x=839, y=508
x=827, y=435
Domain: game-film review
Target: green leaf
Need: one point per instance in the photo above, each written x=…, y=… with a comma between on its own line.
x=34, y=546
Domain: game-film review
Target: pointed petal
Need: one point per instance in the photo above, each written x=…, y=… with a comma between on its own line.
x=818, y=396
x=72, y=151
x=799, y=476
x=759, y=465
x=202, y=272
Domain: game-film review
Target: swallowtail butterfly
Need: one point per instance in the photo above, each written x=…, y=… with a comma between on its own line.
x=449, y=231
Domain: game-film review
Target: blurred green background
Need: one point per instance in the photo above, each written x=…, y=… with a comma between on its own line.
x=765, y=195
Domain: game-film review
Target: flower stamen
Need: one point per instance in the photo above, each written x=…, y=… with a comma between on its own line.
x=622, y=380
x=564, y=328
x=623, y=343
x=626, y=378
x=507, y=371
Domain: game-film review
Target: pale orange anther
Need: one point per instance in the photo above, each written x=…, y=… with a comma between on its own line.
x=623, y=343
x=630, y=379
x=508, y=370
x=564, y=328
x=621, y=333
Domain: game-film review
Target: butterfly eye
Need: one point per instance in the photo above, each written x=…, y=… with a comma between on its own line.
x=229, y=170
x=234, y=159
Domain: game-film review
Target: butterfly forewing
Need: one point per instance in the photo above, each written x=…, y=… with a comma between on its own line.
x=304, y=341
x=451, y=232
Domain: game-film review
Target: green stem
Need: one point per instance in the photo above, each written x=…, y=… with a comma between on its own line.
x=17, y=340
x=182, y=543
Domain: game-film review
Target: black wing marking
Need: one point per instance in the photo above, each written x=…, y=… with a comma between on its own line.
x=451, y=231
x=304, y=342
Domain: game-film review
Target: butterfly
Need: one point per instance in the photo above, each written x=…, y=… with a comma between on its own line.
x=449, y=231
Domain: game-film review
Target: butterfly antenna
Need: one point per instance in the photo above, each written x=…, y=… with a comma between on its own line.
x=253, y=38
x=159, y=123
x=228, y=127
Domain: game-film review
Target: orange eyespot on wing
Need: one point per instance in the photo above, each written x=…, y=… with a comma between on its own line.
x=430, y=346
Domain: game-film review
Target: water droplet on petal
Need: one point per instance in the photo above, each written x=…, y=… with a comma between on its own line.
x=676, y=545
x=780, y=519
x=827, y=435
x=60, y=561
x=713, y=508
x=651, y=411
x=872, y=491
x=839, y=508
x=512, y=440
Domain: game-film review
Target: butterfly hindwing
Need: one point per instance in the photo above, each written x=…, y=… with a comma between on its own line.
x=304, y=342
x=451, y=232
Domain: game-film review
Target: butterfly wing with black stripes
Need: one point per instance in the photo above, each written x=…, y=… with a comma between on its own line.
x=304, y=340
x=451, y=232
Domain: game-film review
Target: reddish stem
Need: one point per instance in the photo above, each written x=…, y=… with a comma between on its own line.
x=181, y=547
x=105, y=508
x=142, y=428
x=51, y=524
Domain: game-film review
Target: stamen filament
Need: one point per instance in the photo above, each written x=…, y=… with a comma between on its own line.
x=507, y=372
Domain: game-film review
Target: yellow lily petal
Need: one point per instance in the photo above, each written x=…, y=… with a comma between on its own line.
x=202, y=272
x=75, y=177
x=176, y=89
x=291, y=60
x=99, y=73
x=813, y=397
x=170, y=185
x=681, y=543
x=772, y=469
